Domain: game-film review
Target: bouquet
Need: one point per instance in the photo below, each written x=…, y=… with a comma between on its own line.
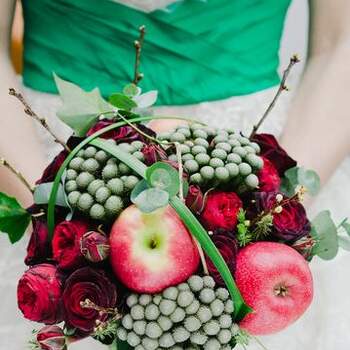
x=194, y=238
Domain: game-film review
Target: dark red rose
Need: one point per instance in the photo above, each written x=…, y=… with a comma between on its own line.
x=220, y=210
x=195, y=199
x=269, y=180
x=85, y=289
x=66, y=244
x=39, y=247
x=122, y=134
x=39, y=294
x=94, y=246
x=51, y=338
x=271, y=150
x=291, y=223
x=153, y=153
x=52, y=169
x=227, y=247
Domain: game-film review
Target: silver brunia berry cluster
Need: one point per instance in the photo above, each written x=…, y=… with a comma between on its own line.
x=191, y=315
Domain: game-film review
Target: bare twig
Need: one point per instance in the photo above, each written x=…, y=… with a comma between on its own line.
x=282, y=87
x=32, y=114
x=138, y=48
x=19, y=175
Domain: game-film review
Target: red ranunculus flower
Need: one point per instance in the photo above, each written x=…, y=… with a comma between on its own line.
x=220, y=210
x=85, y=289
x=39, y=294
x=195, y=199
x=39, y=248
x=94, y=246
x=66, y=244
x=153, y=153
x=269, y=180
x=51, y=338
x=122, y=134
x=227, y=247
x=271, y=150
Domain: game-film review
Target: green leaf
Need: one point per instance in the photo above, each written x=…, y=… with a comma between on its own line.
x=121, y=345
x=122, y=101
x=310, y=180
x=346, y=226
x=140, y=186
x=163, y=176
x=131, y=90
x=80, y=109
x=14, y=219
x=42, y=194
x=325, y=232
x=151, y=199
x=344, y=243
x=147, y=99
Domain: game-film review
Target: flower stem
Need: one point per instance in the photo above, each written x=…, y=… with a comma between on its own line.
x=138, y=48
x=32, y=114
x=282, y=87
x=19, y=175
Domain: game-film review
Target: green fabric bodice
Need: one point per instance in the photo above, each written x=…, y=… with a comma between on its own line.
x=194, y=51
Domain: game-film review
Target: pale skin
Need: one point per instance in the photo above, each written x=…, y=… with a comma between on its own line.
x=318, y=126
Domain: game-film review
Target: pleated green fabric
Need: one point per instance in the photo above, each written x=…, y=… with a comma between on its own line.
x=194, y=51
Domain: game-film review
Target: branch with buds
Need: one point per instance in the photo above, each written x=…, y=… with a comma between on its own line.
x=28, y=110
x=138, y=44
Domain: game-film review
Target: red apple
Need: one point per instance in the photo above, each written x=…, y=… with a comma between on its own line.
x=150, y=252
x=276, y=282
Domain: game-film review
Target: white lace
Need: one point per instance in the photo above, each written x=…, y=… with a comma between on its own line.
x=323, y=327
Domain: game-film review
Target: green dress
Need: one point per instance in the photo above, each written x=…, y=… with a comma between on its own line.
x=194, y=51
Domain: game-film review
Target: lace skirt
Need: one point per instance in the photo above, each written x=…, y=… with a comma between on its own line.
x=325, y=324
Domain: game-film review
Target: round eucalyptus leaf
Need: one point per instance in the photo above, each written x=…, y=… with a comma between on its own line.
x=151, y=199
x=140, y=187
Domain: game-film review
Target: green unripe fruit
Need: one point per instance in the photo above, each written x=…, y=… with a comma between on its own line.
x=216, y=163
x=207, y=173
x=127, y=322
x=234, y=329
x=184, y=131
x=222, y=174
x=145, y=299
x=90, y=165
x=124, y=169
x=116, y=186
x=137, y=144
x=224, y=145
x=196, y=283
x=81, y=154
x=71, y=174
x=110, y=171
x=189, y=143
x=191, y=166
x=90, y=152
x=84, y=179
x=177, y=137
x=219, y=153
x=85, y=202
x=220, y=138
x=164, y=136
x=252, y=181
x=131, y=182
x=206, y=295
x=94, y=186
x=233, y=143
x=101, y=156
x=200, y=133
x=198, y=149
x=234, y=158
x=132, y=300
x=193, y=307
x=249, y=149
x=225, y=321
x=201, y=142
x=224, y=336
x=208, y=281
x=222, y=294
x=198, y=338
x=211, y=328
x=152, y=312
x=76, y=163
x=185, y=298
x=73, y=198
x=204, y=314
x=229, y=307
x=167, y=307
x=139, y=327
x=244, y=141
x=212, y=344
x=139, y=155
x=233, y=169
x=192, y=324
x=255, y=146
x=183, y=286
x=165, y=323
x=157, y=299
x=196, y=178
x=150, y=344
x=97, y=212
x=184, y=149
x=166, y=340
x=71, y=186
x=102, y=194
x=153, y=330
x=222, y=132
x=195, y=126
x=173, y=157
x=255, y=161
x=178, y=315
x=133, y=339
x=137, y=312
x=217, y=307
x=112, y=161
x=181, y=334
x=185, y=157
x=170, y=293
x=245, y=169
x=113, y=205
x=240, y=151
x=122, y=334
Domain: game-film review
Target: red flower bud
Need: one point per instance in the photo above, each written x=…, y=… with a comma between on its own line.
x=51, y=338
x=153, y=153
x=94, y=246
x=195, y=199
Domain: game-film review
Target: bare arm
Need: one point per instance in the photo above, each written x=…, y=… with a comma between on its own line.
x=318, y=128
x=18, y=143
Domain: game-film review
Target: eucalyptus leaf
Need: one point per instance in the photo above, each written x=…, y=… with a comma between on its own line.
x=325, y=232
x=346, y=226
x=147, y=99
x=140, y=187
x=310, y=180
x=14, y=219
x=344, y=243
x=80, y=109
x=163, y=176
x=122, y=101
x=151, y=199
x=131, y=90
x=42, y=194
x=287, y=187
